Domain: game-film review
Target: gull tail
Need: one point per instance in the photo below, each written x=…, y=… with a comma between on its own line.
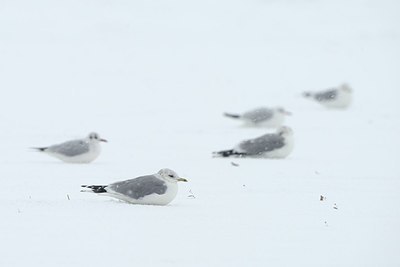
x=40, y=149
x=228, y=153
x=230, y=115
x=94, y=188
x=307, y=94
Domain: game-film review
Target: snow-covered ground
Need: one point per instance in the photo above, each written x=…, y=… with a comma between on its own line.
x=153, y=77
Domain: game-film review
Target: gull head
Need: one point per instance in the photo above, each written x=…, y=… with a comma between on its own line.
x=283, y=111
x=285, y=131
x=345, y=87
x=171, y=176
x=95, y=137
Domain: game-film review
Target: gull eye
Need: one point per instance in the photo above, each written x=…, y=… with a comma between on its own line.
x=170, y=175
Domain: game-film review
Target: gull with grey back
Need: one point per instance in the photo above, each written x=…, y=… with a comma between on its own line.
x=83, y=150
x=156, y=189
x=262, y=116
x=339, y=97
x=272, y=145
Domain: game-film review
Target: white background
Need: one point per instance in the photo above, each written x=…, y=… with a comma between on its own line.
x=154, y=77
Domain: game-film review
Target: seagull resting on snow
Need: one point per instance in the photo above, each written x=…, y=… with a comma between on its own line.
x=156, y=189
x=76, y=151
x=263, y=116
x=272, y=145
x=339, y=97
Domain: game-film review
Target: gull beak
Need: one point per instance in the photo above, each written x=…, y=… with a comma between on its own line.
x=103, y=140
x=182, y=179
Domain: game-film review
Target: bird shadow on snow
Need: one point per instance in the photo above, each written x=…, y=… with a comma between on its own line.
x=140, y=206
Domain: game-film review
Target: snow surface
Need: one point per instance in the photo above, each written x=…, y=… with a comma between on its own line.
x=154, y=77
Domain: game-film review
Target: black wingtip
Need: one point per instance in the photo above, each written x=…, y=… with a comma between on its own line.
x=230, y=115
x=228, y=153
x=96, y=188
x=41, y=149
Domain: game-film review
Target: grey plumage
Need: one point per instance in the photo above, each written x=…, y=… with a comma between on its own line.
x=83, y=150
x=327, y=95
x=337, y=97
x=259, y=115
x=262, y=144
x=140, y=187
x=271, y=145
x=262, y=116
x=156, y=189
x=70, y=148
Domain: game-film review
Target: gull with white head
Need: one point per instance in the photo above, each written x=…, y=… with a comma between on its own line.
x=262, y=116
x=338, y=97
x=272, y=145
x=76, y=151
x=156, y=189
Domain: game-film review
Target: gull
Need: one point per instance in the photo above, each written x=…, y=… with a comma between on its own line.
x=262, y=116
x=272, y=145
x=76, y=151
x=339, y=97
x=156, y=189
